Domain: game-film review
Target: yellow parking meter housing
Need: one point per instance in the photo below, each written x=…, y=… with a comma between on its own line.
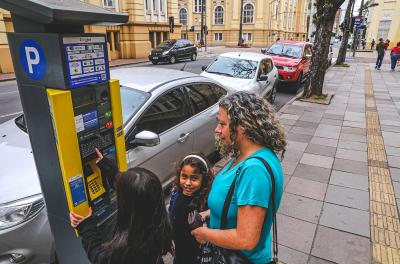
x=82, y=179
x=70, y=107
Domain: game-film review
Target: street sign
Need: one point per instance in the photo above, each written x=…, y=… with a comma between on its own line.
x=358, y=21
x=32, y=59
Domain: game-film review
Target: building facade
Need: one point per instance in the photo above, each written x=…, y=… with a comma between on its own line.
x=263, y=21
x=384, y=21
x=148, y=26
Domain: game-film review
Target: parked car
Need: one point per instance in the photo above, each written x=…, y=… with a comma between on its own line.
x=245, y=71
x=173, y=50
x=174, y=108
x=293, y=60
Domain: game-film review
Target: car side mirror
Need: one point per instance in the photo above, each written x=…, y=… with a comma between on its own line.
x=146, y=138
x=263, y=50
x=203, y=68
x=263, y=77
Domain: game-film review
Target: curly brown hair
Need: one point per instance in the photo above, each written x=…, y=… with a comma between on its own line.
x=199, y=201
x=257, y=117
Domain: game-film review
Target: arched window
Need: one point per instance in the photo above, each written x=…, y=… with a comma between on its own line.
x=183, y=16
x=248, y=13
x=219, y=15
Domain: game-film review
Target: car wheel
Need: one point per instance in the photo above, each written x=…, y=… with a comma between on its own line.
x=193, y=57
x=172, y=60
x=272, y=94
x=297, y=85
x=154, y=62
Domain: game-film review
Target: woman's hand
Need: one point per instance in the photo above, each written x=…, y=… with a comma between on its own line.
x=77, y=219
x=99, y=155
x=199, y=234
x=204, y=214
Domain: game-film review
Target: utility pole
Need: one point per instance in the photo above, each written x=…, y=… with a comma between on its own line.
x=355, y=37
x=202, y=23
x=240, y=42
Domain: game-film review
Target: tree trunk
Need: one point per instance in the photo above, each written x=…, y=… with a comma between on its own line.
x=346, y=33
x=324, y=20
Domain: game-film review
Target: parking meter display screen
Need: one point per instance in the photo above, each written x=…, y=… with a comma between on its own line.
x=86, y=60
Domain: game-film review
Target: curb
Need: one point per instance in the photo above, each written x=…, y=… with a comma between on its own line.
x=283, y=108
x=8, y=79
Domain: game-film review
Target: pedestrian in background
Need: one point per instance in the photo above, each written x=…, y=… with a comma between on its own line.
x=247, y=129
x=387, y=43
x=142, y=232
x=372, y=44
x=380, y=48
x=395, y=55
x=190, y=192
x=363, y=42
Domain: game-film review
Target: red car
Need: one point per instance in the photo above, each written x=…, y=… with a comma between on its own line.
x=292, y=59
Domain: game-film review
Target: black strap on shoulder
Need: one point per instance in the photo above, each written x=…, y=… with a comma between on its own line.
x=228, y=199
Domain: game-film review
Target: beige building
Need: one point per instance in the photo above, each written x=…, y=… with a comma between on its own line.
x=263, y=21
x=384, y=21
x=148, y=25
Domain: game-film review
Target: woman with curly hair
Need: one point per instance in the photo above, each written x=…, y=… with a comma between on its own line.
x=190, y=192
x=247, y=129
x=142, y=233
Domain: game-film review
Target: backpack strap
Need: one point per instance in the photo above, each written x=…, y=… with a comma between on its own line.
x=172, y=202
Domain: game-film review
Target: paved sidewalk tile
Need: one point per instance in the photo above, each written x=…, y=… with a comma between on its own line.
x=347, y=197
x=392, y=151
x=353, y=137
x=321, y=150
x=288, y=167
x=307, y=188
x=324, y=141
x=294, y=145
x=300, y=207
x=341, y=247
x=350, y=180
x=291, y=256
x=296, y=234
x=333, y=122
x=391, y=139
x=351, y=166
x=315, y=260
x=317, y=160
x=394, y=161
x=313, y=173
x=395, y=173
x=352, y=145
x=351, y=155
x=346, y=219
x=298, y=137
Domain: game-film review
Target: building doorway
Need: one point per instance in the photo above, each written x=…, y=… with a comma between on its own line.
x=114, y=46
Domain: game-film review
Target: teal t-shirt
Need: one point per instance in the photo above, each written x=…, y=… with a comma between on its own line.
x=253, y=187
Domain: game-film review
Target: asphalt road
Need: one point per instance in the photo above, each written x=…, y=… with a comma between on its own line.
x=10, y=104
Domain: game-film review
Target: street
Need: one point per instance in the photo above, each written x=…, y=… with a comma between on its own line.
x=10, y=104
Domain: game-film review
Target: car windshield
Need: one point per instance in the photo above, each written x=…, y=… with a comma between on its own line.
x=233, y=67
x=131, y=100
x=285, y=50
x=166, y=44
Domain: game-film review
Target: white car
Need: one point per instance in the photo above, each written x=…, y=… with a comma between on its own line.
x=245, y=71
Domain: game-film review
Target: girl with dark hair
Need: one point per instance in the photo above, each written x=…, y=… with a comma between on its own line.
x=190, y=193
x=142, y=232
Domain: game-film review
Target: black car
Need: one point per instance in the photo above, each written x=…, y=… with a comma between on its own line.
x=173, y=50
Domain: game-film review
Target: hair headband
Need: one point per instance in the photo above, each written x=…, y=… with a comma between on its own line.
x=199, y=158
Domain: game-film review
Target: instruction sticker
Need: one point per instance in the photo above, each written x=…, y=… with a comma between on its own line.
x=77, y=190
x=86, y=60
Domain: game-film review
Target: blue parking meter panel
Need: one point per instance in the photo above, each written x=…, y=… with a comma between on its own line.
x=86, y=60
x=32, y=59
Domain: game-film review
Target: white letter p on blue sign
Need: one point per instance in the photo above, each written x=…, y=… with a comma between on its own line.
x=32, y=59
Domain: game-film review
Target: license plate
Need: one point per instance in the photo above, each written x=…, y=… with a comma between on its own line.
x=155, y=58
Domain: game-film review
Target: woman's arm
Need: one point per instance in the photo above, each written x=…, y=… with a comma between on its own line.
x=244, y=237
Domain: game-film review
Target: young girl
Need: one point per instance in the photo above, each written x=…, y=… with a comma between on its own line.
x=190, y=193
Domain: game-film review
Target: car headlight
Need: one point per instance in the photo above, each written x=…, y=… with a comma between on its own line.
x=149, y=53
x=165, y=52
x=17, y=212
x=289, y=69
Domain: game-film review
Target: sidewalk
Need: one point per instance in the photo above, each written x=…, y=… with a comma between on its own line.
x=342, y=172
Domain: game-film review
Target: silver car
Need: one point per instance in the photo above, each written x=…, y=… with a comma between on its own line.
x=167, y=115
x=245, y=71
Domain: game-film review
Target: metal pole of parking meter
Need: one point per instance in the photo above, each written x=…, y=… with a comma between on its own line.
x=47, y=63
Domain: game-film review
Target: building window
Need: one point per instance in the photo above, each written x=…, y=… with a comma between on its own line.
x=108, y=3
x=383, y=29
x=183, y=16
x=155, y=5
x=219, y=15
x=248, y=13
x=197, y=5
x=147, y=5
x=198, y=36
x=247, y=37
x=183, y=36
x=218, y=36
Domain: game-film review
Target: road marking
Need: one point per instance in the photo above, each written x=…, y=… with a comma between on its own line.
x=7, y=115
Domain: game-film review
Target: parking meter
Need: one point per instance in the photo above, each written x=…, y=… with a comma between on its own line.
x=71, y=107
